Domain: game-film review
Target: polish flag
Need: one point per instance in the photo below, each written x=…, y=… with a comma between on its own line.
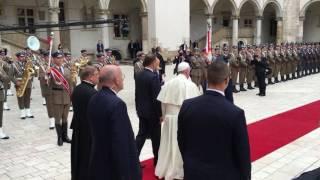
x=209, y=40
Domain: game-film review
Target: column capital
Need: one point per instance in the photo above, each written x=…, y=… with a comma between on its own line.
x=235, y=17
x=54, y=10
x=259, y=17
x=143, y=14
x=100, y=11
x=302, y=18
x=279, y=19
x=208, y=15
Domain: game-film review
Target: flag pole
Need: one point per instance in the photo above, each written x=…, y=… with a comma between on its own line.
x=50, y=49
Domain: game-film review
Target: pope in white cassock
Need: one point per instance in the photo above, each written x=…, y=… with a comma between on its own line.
x=172, y=95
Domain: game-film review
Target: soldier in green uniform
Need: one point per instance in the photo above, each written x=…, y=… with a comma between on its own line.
x=243, y=69
x=235, y=68
x=4, y=78
x=251, y=68
x=278, y=60
x=295, y=63
x=284, y=63
x=60, y=99
x=45, y=91
x=271, y=62
x=290, y=64
x=18, y=67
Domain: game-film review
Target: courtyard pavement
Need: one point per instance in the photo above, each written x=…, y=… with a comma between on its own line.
x=32, y=153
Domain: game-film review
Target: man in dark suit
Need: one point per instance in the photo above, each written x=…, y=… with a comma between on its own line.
x=147, y=106
x=81, y=137
x=229, y=90
x=100, y=47
x=162, y=71
x=212, y=133
x=113, y=153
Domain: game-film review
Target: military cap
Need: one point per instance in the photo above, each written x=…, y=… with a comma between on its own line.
x=83, y=51
x=57, y=54
x=99, y=55
x=108, y=50
x=67, y=54
x=20, y=54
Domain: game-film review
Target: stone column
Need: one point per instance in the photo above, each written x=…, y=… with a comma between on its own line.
x=235, y=30
x=279, y=30
x=54, y=19
x=209, y=23
x=103, y=14
x=145, y=39
x=259, y=27
x=301, y=25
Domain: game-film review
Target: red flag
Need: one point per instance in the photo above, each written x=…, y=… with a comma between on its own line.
x=208, y=43
x=49, y=39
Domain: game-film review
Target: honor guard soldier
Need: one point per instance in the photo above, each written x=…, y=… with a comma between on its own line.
x=59, y=81
x=243, y=69
x=83, y=60
x=45, y=91
x=100, y=61
x=21, y=76
x=271, y=63
x=278, y=63
x=110, y=59
x=4, y=79
x=251, y=68
x=284, y=63
x=6, y=62
x=290, y=64
x=296, y=62
x=235, y=68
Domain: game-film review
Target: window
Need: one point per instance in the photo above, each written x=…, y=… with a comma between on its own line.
x=225, y=21
x=121, y=28
x=42, y=15
x=26, y=18
x=248, y=23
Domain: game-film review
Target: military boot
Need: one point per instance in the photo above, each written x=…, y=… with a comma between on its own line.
x=242, y=88
x=59, y=134
x=65, y=137
x=282, y=78
x=234, y=89
x=250, y=86
x=270, y=81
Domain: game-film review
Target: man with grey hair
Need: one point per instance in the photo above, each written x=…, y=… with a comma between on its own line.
x=171, y=96
x=113, y=153
x=212, y=132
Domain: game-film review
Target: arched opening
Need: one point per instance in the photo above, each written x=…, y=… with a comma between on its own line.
x=223, y=12
x=311, y=26
x=269, y=24
x=198, y=23
x=130, y=30
x=247, y=22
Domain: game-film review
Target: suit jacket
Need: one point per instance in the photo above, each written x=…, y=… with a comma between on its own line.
x=100, y=48
x=113, y=153
x=81, y=137
x=213, y=139
x=162, y=64
x=147, y=90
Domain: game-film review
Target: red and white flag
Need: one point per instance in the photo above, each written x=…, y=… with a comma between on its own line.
x=209, y=40
x=60, y=80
